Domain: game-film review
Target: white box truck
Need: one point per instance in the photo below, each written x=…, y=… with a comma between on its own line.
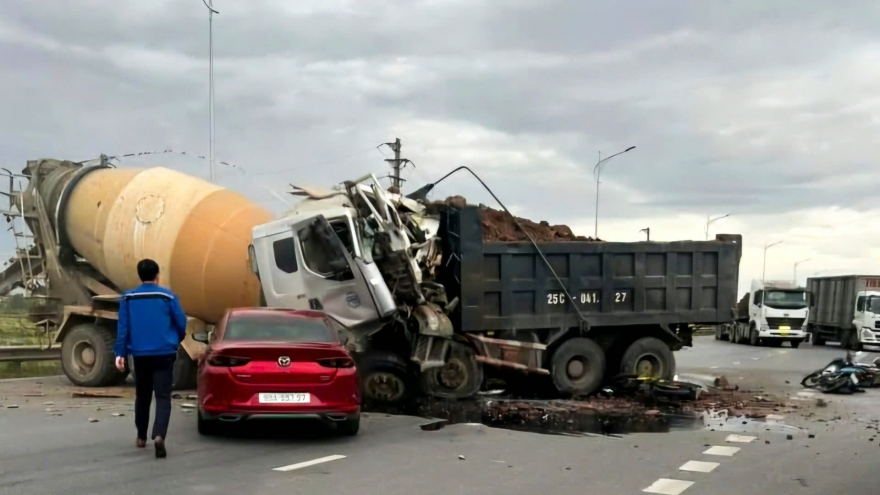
x=845, y=309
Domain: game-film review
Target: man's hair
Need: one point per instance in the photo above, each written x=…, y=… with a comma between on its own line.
x=148, y=270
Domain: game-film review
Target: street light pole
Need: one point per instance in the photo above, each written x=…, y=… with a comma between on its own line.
x=210, y=5
x=647, y=231
x=796, y=265
x=710, y=220
x=597, y=172
x=766, y=247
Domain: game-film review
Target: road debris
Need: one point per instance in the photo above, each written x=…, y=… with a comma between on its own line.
x=461, y=458
x=93, y=420
x=83, y=394
x=188, y=405
x=118, y=414
x=434, y=425
x=12, y=406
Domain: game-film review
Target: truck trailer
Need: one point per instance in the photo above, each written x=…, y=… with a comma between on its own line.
x=428, y=304
x=773, y=312
x=845, y=309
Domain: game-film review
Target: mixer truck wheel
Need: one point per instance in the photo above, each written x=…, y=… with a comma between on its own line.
x=648, y=357
x=87, y=356
x=460, y=377
x=577, y=367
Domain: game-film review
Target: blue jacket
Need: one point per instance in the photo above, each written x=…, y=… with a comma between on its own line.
x=151, y=322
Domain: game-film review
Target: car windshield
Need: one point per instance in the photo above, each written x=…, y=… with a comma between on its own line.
x=277, y=327
x=785, y=299
x=874, y=304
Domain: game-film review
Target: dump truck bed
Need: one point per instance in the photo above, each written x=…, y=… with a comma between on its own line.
x=508, y=286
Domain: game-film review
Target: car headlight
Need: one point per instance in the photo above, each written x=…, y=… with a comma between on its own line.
x=867, y=333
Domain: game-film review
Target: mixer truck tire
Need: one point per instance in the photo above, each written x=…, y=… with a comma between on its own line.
x=87, y=356
x=461, y=377
x=385, y=377
x=577, y=367
x=648, y=357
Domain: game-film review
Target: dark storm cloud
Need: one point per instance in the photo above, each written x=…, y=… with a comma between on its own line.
x=741, y=105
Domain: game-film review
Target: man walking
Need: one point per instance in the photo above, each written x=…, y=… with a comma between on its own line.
x=151, y=326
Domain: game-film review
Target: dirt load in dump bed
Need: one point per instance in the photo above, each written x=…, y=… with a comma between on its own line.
x=498, y=226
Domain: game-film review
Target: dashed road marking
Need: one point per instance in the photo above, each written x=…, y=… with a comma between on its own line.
x=720, y=450
x=309, y=463
x=699, y=466
x=739, y=439
x=666, y=486
x=736, y=362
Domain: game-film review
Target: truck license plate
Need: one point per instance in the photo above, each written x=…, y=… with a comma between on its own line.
x=284, y=398
x=784, y=330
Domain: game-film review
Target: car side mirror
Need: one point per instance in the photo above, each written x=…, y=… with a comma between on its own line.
x=200, y=337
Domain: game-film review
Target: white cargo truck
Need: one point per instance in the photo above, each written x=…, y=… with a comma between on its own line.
x=845, y=309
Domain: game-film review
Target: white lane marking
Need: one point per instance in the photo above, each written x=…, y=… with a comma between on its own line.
x=666, y=486
x=699, y=466
x=755, y=359
x=739, y=439
x=719, y=450
x=309, y=463
x=713, y=367
x=736, y=362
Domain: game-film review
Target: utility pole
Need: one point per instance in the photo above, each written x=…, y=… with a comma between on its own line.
x=396, y=164
x=647, y=232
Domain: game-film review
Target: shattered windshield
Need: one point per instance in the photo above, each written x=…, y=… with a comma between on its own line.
x=784, y=299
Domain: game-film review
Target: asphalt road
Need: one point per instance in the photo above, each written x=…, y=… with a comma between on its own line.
x=50, y=447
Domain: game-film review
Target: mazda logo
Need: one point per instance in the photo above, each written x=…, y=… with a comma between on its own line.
x=284, y=361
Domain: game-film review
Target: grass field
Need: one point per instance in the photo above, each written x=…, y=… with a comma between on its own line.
x=16, y=329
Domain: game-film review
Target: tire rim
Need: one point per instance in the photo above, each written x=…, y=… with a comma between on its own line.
x=648, y=365
x=452, y=376
x=577, y=368
x=384, y=386
x=84, y=357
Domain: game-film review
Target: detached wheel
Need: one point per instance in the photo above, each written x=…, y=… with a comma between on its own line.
x=648, y=357
x=207, y=427
x=460, y=377
x=87, y=356
x=384, y=378
x=577, y=367
x=349, y=427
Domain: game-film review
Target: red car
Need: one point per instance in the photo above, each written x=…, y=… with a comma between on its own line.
x=277, y=363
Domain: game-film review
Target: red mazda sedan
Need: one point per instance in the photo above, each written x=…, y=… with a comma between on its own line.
x=276, y=363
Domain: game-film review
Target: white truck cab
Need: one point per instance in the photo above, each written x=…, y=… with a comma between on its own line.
x=778, y=310
x=866, y=317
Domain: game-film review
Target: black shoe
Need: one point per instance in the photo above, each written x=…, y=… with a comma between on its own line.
x=160, y=448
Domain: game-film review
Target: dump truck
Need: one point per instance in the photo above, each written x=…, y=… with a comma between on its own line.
x=429, y=306
x=432, y=305
x=845, y=309
x=773, y=312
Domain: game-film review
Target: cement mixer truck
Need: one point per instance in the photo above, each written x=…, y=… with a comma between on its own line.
x=430, y=305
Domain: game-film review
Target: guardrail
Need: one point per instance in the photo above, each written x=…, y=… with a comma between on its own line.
x=22, y=353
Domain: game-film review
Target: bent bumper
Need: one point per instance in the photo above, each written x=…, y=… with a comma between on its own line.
x=330, y=416
x=773, y=333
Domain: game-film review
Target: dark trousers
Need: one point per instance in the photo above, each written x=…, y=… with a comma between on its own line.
x=153, y=374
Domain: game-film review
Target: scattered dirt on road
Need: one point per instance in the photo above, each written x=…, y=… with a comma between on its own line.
x=498, y=226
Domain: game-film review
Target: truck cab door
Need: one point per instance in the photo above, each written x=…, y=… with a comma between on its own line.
x=859, y=311
x=331, y=278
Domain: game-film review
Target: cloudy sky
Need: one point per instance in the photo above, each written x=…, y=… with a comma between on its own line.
x=766, y=113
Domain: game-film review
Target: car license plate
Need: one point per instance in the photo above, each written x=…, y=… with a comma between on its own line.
x=284, y=398
x=784, y=330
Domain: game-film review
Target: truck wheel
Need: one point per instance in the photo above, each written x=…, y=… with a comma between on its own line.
x=795, y=343
x=753, y=337
x=852, y=341
x=577, y=367
x=648, y=357
x=184, y=373
x=87, y=356
x=817, y=340
x=461, y=377
x=384, y=378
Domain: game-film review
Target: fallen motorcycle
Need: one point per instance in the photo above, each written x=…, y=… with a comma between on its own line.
x=844, y=376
